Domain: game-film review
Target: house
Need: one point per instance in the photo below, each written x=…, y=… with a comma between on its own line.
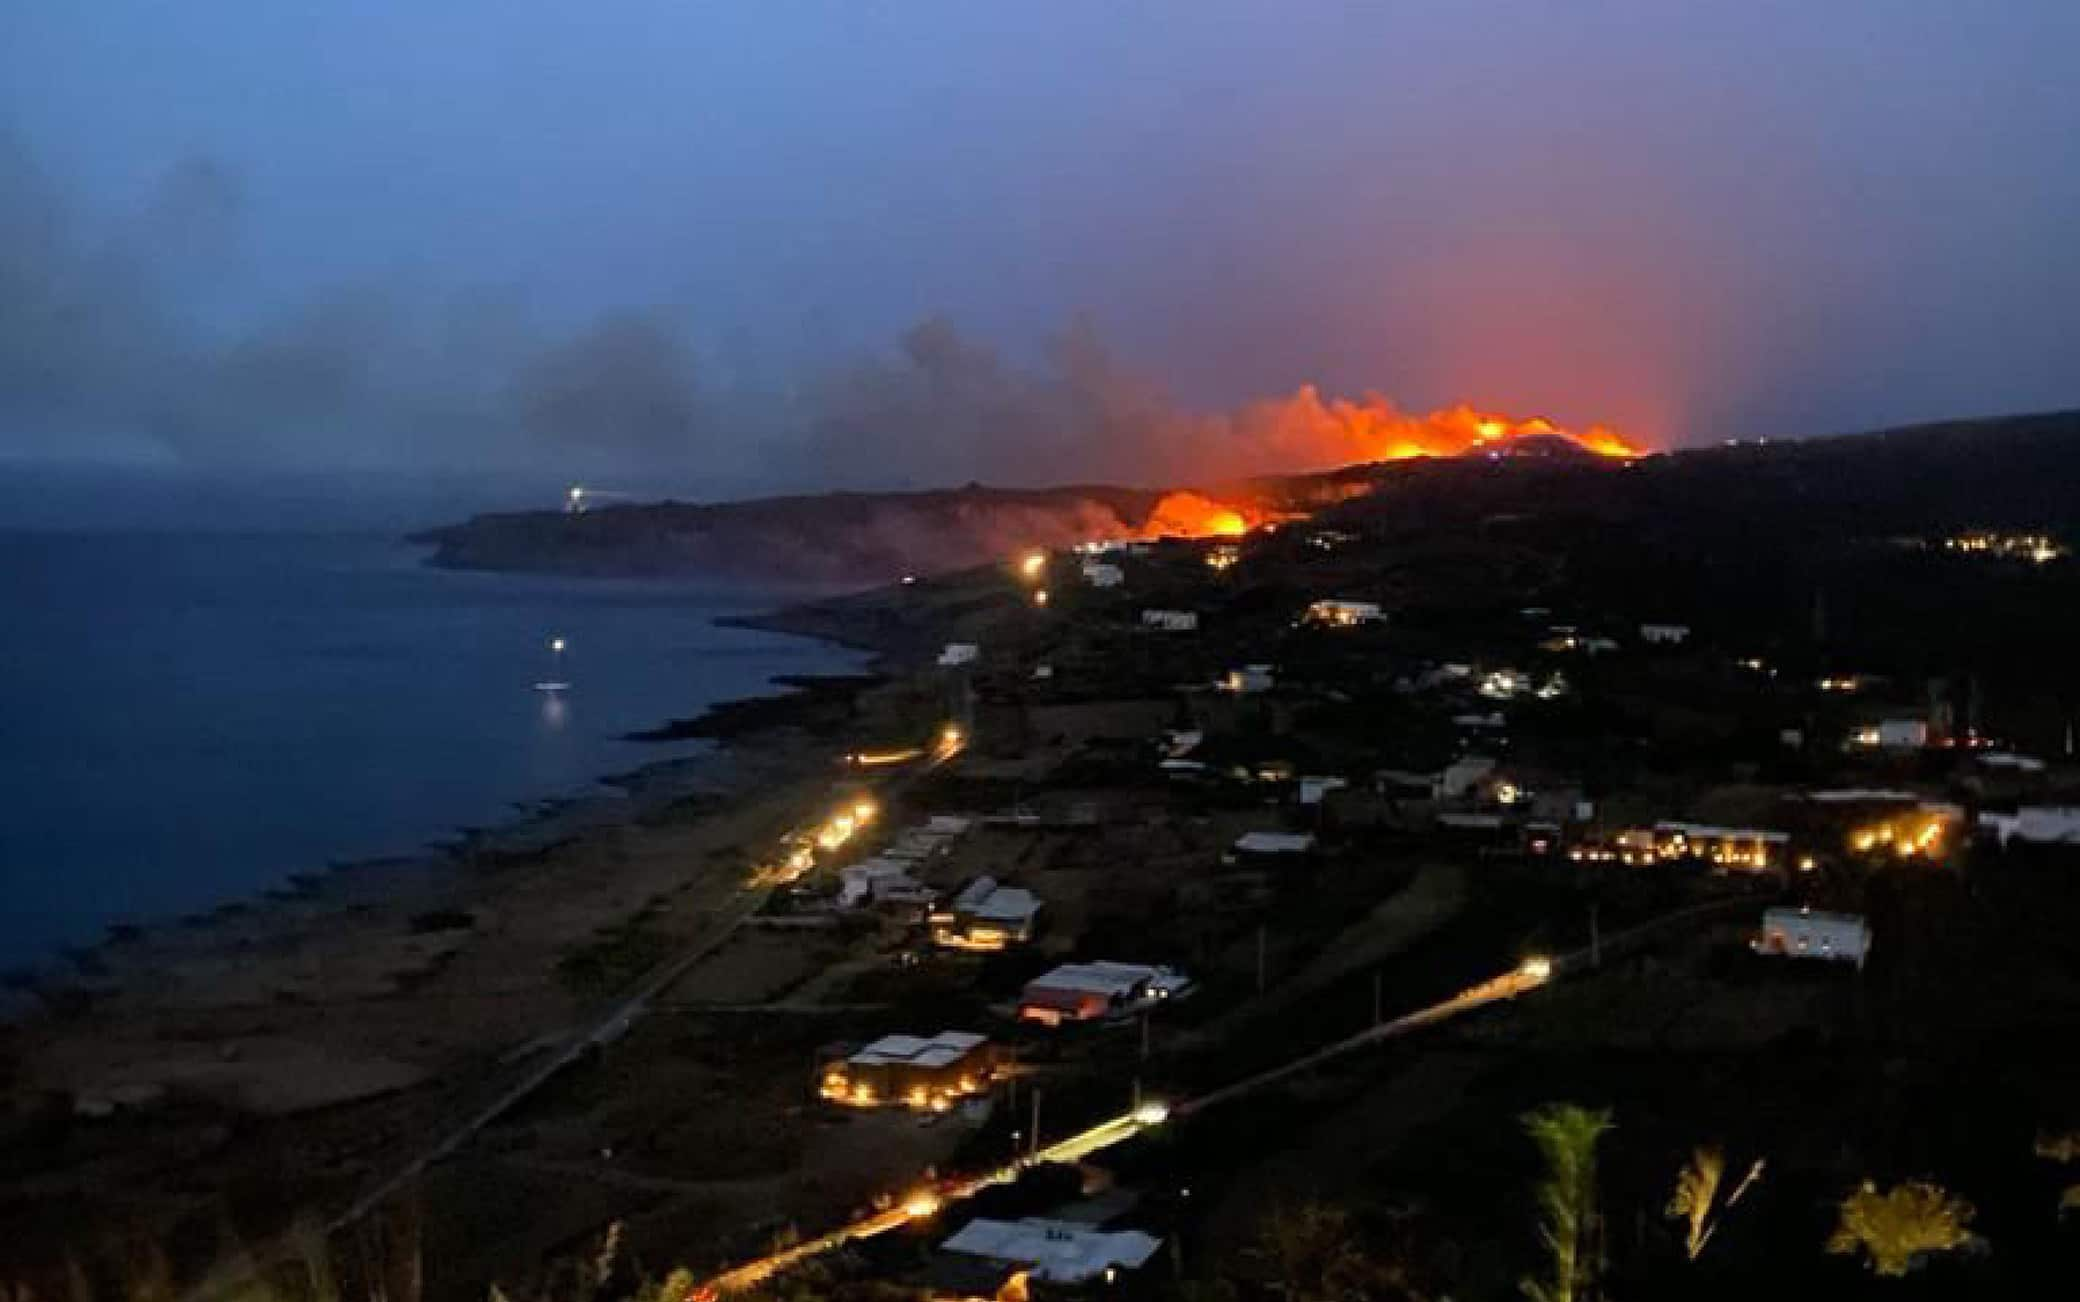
x=1247, y=681
x=987, y=917
x=1899, y=733
x=1504, y=684
x=879, y=880
x=1103, y=574
x=957, y=654
x=1664, y=634
x=1751, y=849
x=1724, y=847
x=1314, y=789
x=1171, y=621
x=1273, y=844
x=923, y=1072
x=2011, y=761
x=1082, y=992
x=1460, y=777
x=1810, y=933
x=2039, y=824
x=1335, y=612
x=1050, y=1251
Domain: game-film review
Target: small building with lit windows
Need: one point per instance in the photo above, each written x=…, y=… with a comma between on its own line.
x=1812, y=933
x=926, y=1073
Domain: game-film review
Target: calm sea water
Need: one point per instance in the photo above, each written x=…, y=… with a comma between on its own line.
x=186, y=719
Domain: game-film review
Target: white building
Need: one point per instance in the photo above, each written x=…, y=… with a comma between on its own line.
x=1810, y=933
x=1059, y=1252
x=1664, y=634
x=880, y=880
x=1248, y=680
x=959, y=653
x=1082, y=992
x=1891, y=734
x=2039, y=824
x=1336, y=612
x=1313, y=789
x=1274, y=843
x=988, y=917
x=1103, y=574
x=1461, y=776
x=1171, y=621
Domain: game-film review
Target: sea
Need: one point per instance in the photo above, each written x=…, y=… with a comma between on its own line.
x=189, y=718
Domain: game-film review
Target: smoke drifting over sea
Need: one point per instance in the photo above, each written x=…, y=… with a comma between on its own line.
x=105, y=334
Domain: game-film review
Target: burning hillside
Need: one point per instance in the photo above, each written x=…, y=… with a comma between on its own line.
x=1314, y=434
x=845, y=538
x=1307, y=432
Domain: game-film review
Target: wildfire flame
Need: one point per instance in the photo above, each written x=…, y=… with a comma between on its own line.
x=1339, y=431
x=1307, y=432
x=1194, y=515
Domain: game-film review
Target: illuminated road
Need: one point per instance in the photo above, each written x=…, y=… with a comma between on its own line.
x=612, y=1022
x=926, y=1203
x=1119, y=1129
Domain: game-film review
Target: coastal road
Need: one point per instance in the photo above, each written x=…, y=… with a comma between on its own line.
x=612, y=1022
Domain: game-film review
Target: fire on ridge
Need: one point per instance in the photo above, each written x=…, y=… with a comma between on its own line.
x=1340, y=432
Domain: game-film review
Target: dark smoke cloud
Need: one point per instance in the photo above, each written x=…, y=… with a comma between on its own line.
x=107, y=334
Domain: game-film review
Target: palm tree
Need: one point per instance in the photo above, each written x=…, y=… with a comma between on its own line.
x=2063, y=1149
x=1569, y=1223
x=1900, y=1226
x=1697, y=1187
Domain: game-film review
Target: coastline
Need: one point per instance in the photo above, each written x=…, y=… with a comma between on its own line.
x=308, y=1039
x=534, y=826
x=735, y=761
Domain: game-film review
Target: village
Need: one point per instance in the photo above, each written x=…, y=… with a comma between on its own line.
x=1161, y=906
x=1158, y=820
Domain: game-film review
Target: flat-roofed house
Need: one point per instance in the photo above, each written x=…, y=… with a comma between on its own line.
x=986, y=916
x=1083, y=992
x=1171, y=621
x=1811, y=933
x=1336, y=612
x=924, y=1072
x=1054, y=1252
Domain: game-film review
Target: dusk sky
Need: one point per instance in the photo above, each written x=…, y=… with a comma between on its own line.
x=687, y=240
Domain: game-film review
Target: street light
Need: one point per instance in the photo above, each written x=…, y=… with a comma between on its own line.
x=1535, y=969
x=1151, y=1113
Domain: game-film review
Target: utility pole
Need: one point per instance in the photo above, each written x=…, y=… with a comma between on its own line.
x=1036, y=1121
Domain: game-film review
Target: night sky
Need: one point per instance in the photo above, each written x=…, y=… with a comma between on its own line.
x=765, y=244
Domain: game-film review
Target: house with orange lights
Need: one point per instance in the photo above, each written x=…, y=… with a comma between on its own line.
x=986, y=917
x=1089, y=992
x=1336, y=612
x=1812, y=933
x=924, y=1073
